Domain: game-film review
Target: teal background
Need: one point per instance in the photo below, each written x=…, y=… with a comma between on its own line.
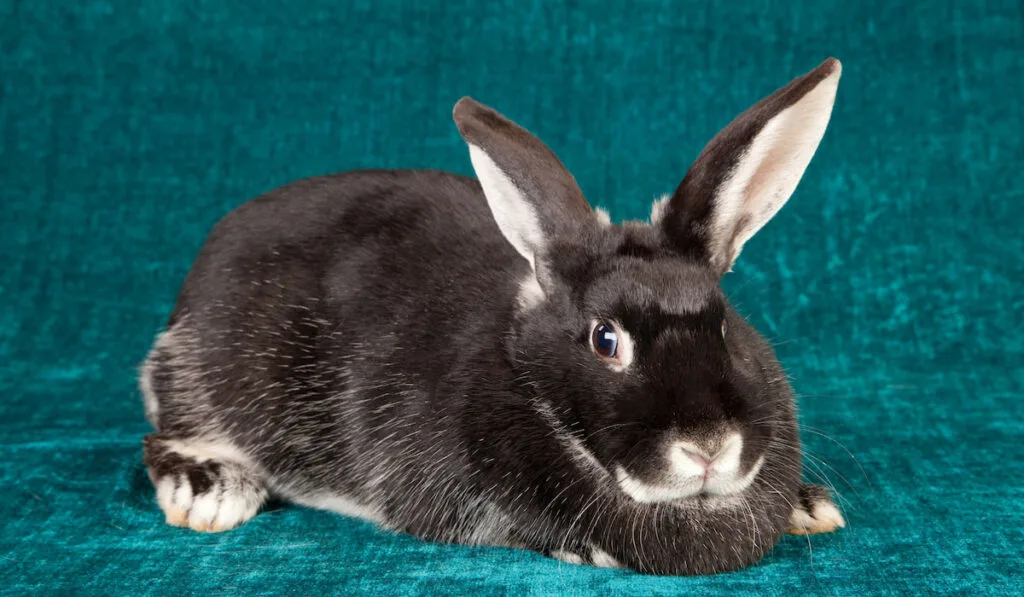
x=891, y=282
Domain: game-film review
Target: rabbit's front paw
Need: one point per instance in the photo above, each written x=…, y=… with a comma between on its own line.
x=815, y=512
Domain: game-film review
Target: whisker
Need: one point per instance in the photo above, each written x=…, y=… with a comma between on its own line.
x=840, y=444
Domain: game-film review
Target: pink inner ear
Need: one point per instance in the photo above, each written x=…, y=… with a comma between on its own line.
x=771, y=167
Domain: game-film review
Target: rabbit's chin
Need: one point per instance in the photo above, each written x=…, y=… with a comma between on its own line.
x=708, y=488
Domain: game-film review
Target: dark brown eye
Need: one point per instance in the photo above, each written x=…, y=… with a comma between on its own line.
x=725, y=327
x=605, y=340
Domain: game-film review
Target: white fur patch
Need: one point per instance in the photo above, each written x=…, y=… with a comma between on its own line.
x=222, y=510
x=231, y=500
x=179, y=347
x=492, y=528
x=768, y=172
x=166, y=341
x=658, y=209
x=801, y=519
x=730, y=484
x=566, y=556
x=824, y=517
x=828, y=512
x=649, y=494
x=514, y=214
x=182, y=495
x=724, y=455
x=685, y=466
x=603, y=217
x=342, y=505
x=690, y=474
x=530, y=293
x=149, y=398
x=727, y=461
x=602, y=559
x=576, y=448
x=165, y=496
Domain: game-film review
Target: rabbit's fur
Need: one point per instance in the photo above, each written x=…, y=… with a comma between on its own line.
x=418, y=349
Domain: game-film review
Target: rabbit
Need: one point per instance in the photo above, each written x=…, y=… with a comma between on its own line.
x=491, y=361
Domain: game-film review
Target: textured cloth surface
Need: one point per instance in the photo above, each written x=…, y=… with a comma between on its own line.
x=891, y=282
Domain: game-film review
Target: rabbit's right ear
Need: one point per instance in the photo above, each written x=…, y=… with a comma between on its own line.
x=533, y=197
x=749, y=170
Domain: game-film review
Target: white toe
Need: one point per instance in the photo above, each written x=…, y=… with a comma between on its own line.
x=204, y=511
x=824, y=517
x=827, y=512
x=603, y=559
x=800, y=519
x=567, y=556
x=182, y=494
x=234, y=510
x=165, y=493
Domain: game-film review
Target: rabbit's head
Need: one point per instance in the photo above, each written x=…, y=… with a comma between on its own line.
x=624, y=339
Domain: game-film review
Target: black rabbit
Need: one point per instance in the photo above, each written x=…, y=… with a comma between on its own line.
x=494, y=362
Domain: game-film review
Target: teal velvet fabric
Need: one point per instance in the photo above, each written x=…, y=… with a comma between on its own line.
x=891, y=282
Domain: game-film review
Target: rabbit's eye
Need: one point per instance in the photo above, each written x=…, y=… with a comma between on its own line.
x=605, y=340
x=725, y=327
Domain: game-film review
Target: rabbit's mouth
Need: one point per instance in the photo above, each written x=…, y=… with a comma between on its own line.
x=694, y=472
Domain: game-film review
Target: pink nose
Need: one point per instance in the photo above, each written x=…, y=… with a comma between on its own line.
x=703, y=462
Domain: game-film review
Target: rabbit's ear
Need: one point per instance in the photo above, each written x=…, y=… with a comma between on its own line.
x=533, y=197
x=750, y=169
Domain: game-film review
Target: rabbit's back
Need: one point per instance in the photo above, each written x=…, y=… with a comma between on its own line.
x=331, y=236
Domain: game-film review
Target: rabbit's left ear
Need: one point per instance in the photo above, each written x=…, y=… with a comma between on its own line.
x=749, y=170
x=533, y=198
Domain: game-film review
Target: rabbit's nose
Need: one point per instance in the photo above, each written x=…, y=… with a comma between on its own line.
x=719, y=457
x=689, y=460
x=697, y=458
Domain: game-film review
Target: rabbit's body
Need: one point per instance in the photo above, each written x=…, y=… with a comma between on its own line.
x=485, y=364
x=339, y=389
